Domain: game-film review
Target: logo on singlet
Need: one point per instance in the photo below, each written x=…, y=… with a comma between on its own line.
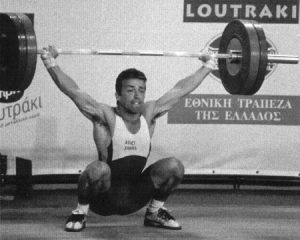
x=130, y=145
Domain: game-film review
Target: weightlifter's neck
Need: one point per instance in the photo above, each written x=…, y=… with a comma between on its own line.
x=127, y=115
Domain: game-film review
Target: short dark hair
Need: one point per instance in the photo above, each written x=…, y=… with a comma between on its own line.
x=127, y=74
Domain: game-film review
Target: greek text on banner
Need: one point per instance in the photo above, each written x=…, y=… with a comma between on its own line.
x=236, y=109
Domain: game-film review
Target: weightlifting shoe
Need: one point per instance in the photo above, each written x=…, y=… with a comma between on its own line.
x=76, y=222
x=161, y=219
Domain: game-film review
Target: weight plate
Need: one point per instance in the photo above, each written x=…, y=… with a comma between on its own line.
x=263, y=59
x=17, y=50
x=12, y=59
x=31, y=50
x=242, y=80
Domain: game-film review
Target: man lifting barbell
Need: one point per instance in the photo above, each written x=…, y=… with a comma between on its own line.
x=116, y=183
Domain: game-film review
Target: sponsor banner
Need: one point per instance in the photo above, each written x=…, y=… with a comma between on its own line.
x=236, y=109
x=263, y=11
x=17, y=112
x=10, y=96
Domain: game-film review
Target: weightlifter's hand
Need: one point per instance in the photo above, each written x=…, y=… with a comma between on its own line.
x=209, y=61
x=48, y=56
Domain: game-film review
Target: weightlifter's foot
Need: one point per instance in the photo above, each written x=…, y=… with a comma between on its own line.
x=161, y=219
x=76, y=222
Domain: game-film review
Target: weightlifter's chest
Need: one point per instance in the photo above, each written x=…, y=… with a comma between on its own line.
x=103, y=135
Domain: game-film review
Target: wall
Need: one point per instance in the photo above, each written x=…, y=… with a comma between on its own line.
x=58, y=138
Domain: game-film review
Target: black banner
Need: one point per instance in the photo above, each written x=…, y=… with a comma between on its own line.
x=263, y=11
x=235, y=109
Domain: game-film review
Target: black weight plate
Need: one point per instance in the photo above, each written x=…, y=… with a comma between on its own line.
x=13, y=52
x=241, y=81
x=31, y=50
x=18, y=51
x=263, y=58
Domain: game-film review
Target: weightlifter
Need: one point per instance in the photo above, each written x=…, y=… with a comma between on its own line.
x=117, y=183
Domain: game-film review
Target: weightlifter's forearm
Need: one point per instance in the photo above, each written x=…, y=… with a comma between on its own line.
x=191, y=82
x=66, y=84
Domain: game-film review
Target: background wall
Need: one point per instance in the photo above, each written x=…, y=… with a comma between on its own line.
x=58, y=138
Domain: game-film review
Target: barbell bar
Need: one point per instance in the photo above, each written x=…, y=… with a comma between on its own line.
x=150, y=53
x=272, y=58
x=242, y=58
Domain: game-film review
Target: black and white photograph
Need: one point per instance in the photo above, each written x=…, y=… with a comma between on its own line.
x=150, y=119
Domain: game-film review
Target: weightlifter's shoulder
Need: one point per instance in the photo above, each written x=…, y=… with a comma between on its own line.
x=106, y=113
x=148, y=110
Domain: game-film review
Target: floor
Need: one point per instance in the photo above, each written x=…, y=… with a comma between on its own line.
x=204, y=214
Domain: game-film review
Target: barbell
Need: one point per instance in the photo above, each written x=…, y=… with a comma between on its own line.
x=242, y=57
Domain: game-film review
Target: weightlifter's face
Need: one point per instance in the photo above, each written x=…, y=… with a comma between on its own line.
x=132, y=95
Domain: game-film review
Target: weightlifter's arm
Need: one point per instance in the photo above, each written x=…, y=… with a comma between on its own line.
x=86, y=104
x=181, y=89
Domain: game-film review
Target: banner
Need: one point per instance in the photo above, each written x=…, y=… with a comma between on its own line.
x=235, y=109
x=263, y=11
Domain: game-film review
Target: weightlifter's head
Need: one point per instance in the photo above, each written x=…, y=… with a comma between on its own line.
x=131, y=89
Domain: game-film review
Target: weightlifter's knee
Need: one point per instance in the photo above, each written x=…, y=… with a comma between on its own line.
x=167, y=170
x=97, y=174
x=175, y=168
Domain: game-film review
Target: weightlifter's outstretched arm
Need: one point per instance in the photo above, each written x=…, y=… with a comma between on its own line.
x=87, y=105
x=181, y=88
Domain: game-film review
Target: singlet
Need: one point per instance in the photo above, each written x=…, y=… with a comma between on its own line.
x=129, y=152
